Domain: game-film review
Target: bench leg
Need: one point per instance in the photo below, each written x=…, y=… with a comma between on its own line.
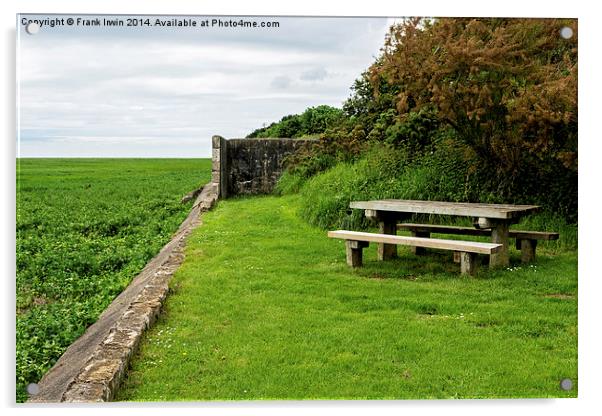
x=457, y=256
x=419, y=251
x=527, y=249
x=499, y=235
x=354, y=251
x=468, y=263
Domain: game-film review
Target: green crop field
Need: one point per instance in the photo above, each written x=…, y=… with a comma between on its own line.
x=85, y=228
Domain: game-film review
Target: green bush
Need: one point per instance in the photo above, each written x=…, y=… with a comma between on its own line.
x=312, y=122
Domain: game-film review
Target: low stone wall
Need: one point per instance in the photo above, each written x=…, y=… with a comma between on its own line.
x=250, y=166
x=93, y=366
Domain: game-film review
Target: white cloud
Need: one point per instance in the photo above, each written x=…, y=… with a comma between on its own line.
x=281, y=82
x=166, y=93
x=314, y=74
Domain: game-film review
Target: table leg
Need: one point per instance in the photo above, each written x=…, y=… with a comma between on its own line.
x=420, y=251
x=499, y=235
x=527, y=248
x=387, y=226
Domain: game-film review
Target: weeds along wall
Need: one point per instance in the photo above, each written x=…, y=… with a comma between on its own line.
x=249, y=166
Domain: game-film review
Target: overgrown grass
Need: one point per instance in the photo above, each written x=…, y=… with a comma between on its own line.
x=289, y=183
x=383, y=174
x=85, y=228
x=265, y=307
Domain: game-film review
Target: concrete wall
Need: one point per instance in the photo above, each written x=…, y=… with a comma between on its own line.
x=249, y=166
x=218, y=155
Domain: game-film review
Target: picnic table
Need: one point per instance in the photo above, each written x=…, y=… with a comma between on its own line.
x=494, y=217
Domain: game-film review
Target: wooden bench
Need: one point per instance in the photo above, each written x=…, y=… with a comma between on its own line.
x=526, y=241
x=467, y=251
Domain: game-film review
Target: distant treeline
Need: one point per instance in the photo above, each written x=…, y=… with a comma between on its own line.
x=312, y=122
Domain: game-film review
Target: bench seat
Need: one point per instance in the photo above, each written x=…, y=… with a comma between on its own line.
x=355, y=241
x=526, y=241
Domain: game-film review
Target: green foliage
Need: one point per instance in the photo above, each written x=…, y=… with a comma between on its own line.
x=369, y=100
x=415, y=134
x=507, y=86
x=326, y=196
x=85, y=228
x=289, y=183
x=336, y=145
x=312, y=122
x=385, y=172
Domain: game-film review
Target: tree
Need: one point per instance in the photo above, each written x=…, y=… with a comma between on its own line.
x=312, y=122
x=507, y=86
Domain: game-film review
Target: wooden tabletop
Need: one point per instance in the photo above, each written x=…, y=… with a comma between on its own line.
x=468, y=209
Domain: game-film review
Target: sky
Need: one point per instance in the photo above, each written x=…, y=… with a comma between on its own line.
x=99, y=91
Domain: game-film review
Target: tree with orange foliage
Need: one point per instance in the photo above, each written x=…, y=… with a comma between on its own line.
x=508, y=87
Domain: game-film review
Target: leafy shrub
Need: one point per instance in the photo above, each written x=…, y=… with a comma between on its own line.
x=342, y=144
x=311, y=122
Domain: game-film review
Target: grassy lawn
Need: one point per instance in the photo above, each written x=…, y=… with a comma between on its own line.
x=85, y=228
x=265, y=307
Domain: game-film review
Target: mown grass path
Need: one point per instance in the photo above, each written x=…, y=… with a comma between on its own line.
x=85, y=228
x=265, y=307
